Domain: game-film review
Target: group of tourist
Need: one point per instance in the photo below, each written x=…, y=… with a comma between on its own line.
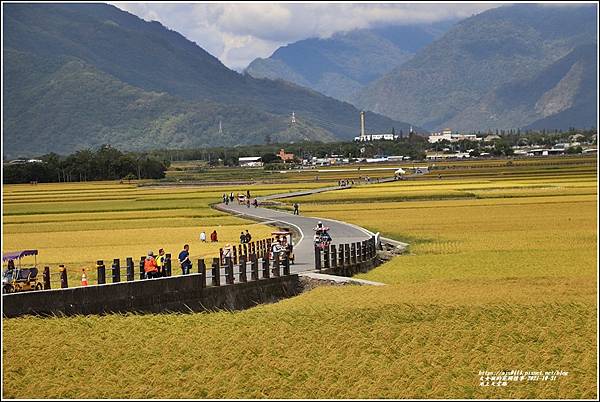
x=346, y=182
x=155, y=267
x=241, y=199
x=213, y=236
x=245, y=237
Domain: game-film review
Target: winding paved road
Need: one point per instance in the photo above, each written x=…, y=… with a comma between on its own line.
x=340, y=232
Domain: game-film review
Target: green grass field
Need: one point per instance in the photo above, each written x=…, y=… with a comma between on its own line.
x=502, y=277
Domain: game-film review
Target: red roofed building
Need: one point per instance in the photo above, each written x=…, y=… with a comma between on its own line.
x=285, y=157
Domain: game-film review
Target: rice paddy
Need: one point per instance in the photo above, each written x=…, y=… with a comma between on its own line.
x=78, y=224
x=501, y=277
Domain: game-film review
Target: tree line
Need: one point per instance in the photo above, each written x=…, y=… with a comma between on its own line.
x=106, y=163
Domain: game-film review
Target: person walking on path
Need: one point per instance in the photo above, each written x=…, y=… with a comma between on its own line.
x=248, y=236
x=203, y=237
x=213, y=236
x=296, y=206
x=242, y=237
x=255, y=203
x=184, y=260
x=150, y=267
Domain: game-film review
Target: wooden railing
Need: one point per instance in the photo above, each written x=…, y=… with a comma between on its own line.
x=346, y=259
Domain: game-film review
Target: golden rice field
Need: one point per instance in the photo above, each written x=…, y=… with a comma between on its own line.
x=78, y=224
x=502, y=279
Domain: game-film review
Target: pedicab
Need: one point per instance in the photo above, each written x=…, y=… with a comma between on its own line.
x=282, y=243
x=19, y=279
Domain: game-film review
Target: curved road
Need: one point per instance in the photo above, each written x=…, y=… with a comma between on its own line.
x=340, y=232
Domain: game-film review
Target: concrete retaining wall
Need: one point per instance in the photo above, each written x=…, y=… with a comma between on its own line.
x=179, y=293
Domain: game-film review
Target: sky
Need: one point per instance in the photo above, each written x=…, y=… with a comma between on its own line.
x=237, y=33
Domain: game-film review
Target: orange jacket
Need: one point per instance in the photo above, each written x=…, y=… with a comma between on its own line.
x=150, y=265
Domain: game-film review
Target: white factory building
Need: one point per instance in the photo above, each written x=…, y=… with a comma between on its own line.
x=449, y=136
x=372, y=137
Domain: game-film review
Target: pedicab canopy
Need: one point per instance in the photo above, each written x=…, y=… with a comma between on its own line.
x=14, y=255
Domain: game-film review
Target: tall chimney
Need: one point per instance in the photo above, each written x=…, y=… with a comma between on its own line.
x=362, y=124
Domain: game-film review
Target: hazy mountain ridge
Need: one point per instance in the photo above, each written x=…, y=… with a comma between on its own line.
x=343, y=64
x=447, y=81
x=187, y=90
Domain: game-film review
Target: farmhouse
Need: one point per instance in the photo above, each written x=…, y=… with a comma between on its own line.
x=285, y=157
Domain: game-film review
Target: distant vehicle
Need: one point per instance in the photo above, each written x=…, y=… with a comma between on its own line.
x=283, y=245
x=322, y=238
x=17, y=278
x=422, y=170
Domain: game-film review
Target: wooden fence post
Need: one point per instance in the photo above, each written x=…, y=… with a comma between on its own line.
x=326, y=258
x=216, y=272
x=64, y=283
x=242, y=275
x=265, y=267
x=167, y=267
x=317, y=258
x=202, y=272
x=46, y=277
x=253, y=267
x=116, y=271
x=101, y=272
x=333, y=256
x=142, y=272
x=286, y=265
x=276, y=271
x=229, y=279
x=347, y=261
x=130, y=269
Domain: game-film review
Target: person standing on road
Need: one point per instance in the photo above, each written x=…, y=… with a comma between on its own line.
x=213, y=236
x=203, y=236
x=296, y=206
x=184, y=260
x=255, y=203
x=242, y=237
x=248, y=236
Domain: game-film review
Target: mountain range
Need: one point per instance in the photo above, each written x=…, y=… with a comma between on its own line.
x=340, y=66
x=82, y=75
x=509, y=67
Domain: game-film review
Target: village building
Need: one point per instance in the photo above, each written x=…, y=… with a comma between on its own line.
x=285, y=157
x=375, y=136
x=250, y=161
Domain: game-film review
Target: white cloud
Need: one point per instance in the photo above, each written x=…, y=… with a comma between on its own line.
x=239, y=33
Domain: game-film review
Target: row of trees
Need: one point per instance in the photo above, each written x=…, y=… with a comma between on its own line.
x=413, y=146
x=106, y=163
